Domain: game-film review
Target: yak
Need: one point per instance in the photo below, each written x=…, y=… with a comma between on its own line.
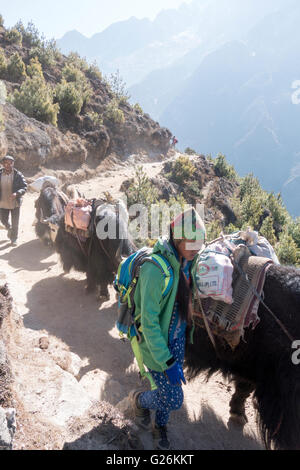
x=265, y=362
x=99, y=255
x=50, y=207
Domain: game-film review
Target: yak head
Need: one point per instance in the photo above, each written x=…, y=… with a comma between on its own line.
x=52, y=224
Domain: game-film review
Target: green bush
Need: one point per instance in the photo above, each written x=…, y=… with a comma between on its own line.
x=3, y=64
x=1, y=20
x=213, y=230
x=118, y=86
x=267, y=230
x=287, y=250
x=34, y=68
x=193, y=187
x=182, y=170
x=294, y=231
x=16, y=70
x=96, y=118
x=250, y=185
x=275, y=205
x=30, y=34
x=45, y=55
x=113, y=113
x=35, y=99
x=77, y=62
x=224, y=169
x=138, y=108
x=190, y=151
x=69, y=97
x=93, y=72
x=13, y=36
x=2, y=101
x=74, y=75
x=141, y=191
x=252, y=210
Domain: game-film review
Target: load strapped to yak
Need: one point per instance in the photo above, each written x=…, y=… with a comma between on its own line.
x=128, y=325
x=228, y=280
x=78, y=216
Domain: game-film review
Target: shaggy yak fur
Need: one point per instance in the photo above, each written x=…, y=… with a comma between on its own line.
x=50, y=206
x=99, y=259
x=262, y=363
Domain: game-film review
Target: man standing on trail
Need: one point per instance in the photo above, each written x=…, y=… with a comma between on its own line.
x=12, y=187
x=163, y=323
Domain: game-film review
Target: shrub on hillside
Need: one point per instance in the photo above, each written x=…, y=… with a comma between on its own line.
x=96, y=118
x=35, y=99
x=287, y=250
x=77, y=62
x=69, y=97
x=213, y=230
x=75, y=76
x=46, y=52
x=141, y=191
x=35, y=68
x=1, y=20
x=13, y=36
x=182, y=170
x=16, y=70
x=30, y=34
x=113, y=113
x=267, y=230
x=249, y=185
x=275, y=204
x=190, y=151
x=2, y=101
x=223, y=168
x=294, y=230
x=93, y=72
x=3, y=64
x=118, y=86
x=159, y=212
x=138, y=108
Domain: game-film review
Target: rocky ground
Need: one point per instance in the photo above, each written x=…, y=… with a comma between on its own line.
x=71, y=372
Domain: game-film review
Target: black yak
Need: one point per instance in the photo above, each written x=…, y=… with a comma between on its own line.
x=100, y=254
x=265, y=363
x=50, y=207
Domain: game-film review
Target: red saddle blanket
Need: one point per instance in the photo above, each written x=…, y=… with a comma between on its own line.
x=78, y=214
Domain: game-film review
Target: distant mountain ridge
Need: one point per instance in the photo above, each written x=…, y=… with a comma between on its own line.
x=218, y=73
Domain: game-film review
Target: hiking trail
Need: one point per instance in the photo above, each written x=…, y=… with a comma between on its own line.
x=69, y=365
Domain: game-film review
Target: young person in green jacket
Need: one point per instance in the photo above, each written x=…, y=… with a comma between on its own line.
x=163, y=323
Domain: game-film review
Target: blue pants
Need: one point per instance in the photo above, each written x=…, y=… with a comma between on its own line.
x=167, y=397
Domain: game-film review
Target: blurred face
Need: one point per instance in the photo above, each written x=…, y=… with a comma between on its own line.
x=188, y=249
x=8, y=166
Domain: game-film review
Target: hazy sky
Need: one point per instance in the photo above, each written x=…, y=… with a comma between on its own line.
x=56, y=17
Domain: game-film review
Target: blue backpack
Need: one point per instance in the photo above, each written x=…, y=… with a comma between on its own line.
x=125, y=284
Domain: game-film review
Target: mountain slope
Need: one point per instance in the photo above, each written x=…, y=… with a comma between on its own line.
x=238, y=101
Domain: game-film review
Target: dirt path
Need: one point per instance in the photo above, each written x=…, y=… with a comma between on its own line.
x=67, y=359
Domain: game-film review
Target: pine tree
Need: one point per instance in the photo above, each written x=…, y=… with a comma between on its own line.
x=267, y=230
x=287, y=250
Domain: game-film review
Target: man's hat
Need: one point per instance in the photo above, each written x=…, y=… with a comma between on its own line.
x=8, y=157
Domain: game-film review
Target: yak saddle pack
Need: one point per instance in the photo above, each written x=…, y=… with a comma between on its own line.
x=125, y=284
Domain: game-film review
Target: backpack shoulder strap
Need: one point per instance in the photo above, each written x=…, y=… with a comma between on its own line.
x=166, y=269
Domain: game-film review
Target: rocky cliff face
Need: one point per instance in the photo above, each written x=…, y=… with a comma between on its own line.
x=77, y=138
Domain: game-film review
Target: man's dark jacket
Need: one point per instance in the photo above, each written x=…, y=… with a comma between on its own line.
x=19, y=185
